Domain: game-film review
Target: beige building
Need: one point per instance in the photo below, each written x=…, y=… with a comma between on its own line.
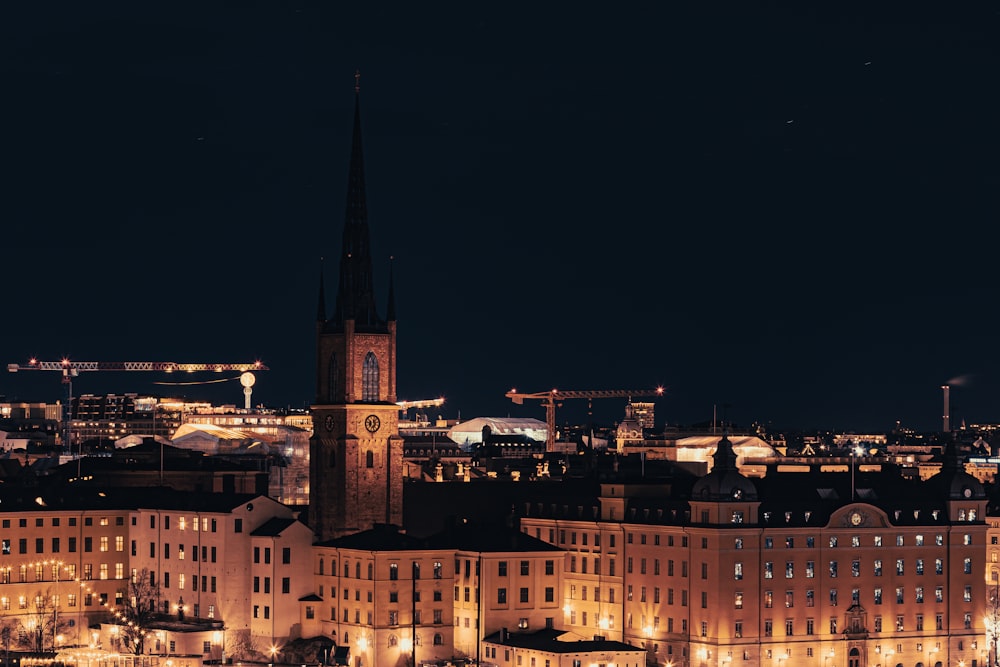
x=231, y=565
x=393, y=597
x=803, y=569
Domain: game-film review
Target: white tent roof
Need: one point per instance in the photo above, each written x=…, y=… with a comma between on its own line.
x=471, y=432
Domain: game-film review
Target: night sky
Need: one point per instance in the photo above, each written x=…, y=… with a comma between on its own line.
x=787, y=209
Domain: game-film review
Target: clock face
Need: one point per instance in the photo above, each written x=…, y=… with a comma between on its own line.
x=737, y=493
x=856, y=518
x=967, y=492
x=328, y=422
x=372, y=423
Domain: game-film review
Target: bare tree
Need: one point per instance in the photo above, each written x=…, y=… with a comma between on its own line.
x=137, y=611
x=38, y=622
x=244, y=645
x=8, y=628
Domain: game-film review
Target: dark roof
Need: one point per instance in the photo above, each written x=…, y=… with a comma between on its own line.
x=548, y=640
x=312, y=597
x=272, y=527
x=382, y=537
x=87, y=496
x=488, y=538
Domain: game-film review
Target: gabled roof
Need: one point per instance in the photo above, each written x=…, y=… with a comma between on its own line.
x=487, y=538
x=382, y=537
x=272, y=527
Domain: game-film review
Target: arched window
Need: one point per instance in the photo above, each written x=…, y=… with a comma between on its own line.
x=392, y=640
x=369, y=378
x=438, y=639
x=369, y=459
x=321, y=566
x=371, y=571
x=357, y=570
x=331, y=381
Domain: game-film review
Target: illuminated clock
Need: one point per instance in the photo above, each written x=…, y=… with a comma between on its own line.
x=737, y=493
x=967, y=492
x=856, y=518
x=372, y=423
x=328, y=422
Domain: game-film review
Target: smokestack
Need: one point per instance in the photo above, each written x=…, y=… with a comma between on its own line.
x=946, y=418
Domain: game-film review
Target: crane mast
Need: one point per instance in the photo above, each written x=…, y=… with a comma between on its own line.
x=71, y=369
x=554, y=397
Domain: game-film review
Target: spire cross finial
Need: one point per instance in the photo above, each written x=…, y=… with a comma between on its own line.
x=357, y=81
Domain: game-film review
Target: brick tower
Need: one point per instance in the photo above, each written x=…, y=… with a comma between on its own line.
x=356, y=453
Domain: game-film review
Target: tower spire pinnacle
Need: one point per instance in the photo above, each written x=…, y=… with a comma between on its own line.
x=355, y=293
x=357, y=81
x=390, y=309
x=321, y=306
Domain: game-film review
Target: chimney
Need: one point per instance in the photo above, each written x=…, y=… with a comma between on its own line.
x=946, y=418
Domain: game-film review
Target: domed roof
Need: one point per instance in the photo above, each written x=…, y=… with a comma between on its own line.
x=630, y=429
x=952, y=481
x=724, y=482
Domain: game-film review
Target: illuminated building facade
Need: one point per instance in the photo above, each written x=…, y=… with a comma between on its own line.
x=795, y=568
x=240, y=559
x=390, y=596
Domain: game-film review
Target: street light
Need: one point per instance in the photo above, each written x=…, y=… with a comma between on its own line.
x=931, y=652
x=272, y=651
x=829, y=656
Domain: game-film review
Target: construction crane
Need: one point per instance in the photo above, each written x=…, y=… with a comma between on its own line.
x=71, y=369
x=404, y=406
x=554, y=397
x=422, y=403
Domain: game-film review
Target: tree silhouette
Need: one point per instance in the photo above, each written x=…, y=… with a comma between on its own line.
x=39, y=622
x=137, y=611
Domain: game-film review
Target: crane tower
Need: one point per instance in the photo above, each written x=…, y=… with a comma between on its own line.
x=71, y=369
x=554, y=397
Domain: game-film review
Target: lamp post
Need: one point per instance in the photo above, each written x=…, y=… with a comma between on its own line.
x=931, y=652
x=272, y=651
x=829, y=656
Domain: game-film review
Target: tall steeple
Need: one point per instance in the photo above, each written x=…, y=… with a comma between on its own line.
x=390, y=309
x=355, y=294
x=356, y=452
x=321, y=306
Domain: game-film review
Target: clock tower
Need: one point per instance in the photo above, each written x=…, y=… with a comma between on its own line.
x=356, y=453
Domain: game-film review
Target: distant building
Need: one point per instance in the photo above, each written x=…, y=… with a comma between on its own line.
x=469, y=434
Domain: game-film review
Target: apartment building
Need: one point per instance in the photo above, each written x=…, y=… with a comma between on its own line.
x=807, y=569
x=389, y=596
x=69, y=554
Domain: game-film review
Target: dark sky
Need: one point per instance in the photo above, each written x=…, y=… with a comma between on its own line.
x=788, y=209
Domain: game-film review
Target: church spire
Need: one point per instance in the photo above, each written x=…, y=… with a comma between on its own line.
x=355, y=294
x=390, y=309
x=321, y=306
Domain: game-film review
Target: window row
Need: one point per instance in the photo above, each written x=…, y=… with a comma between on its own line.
x=877, y=625
x=833, y=568
x=877, y=596
x=855, y=541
